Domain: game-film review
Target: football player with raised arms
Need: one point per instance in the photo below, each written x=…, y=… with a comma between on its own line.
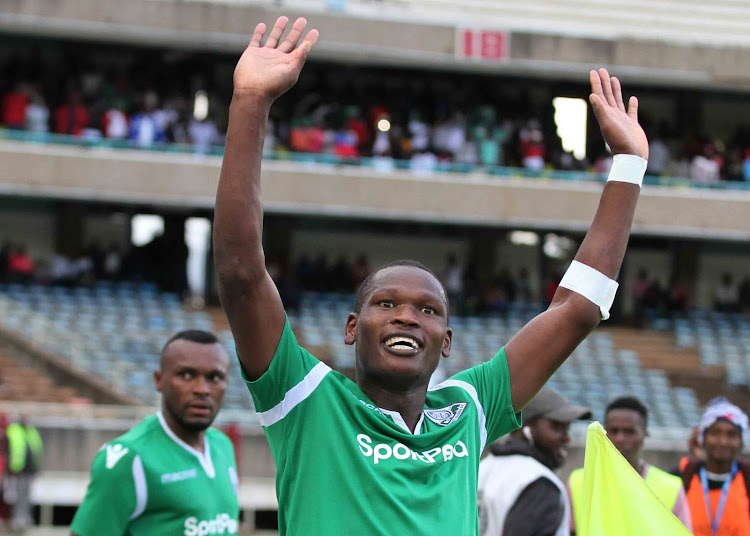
x=384, y=454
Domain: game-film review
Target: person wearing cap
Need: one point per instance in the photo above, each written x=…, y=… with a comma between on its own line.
x=626, y=422
x=718, y=488
x=519, y=494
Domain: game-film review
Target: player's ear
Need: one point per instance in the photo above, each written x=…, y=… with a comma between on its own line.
x=157, y=380
x=447, y=340
x=350, y=331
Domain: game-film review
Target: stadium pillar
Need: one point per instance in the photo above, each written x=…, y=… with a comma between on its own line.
x=689, y=111
x=277, y=240
x=685, y=266
x=172, y=275
x=69, y=227
x=483, y=251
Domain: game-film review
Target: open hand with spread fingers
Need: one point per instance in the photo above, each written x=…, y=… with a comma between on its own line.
x=619, y=126
x=268, y=70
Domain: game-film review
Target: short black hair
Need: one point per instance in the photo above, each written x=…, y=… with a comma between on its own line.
x=367, y=285
x=631, y=403
x=192, y=335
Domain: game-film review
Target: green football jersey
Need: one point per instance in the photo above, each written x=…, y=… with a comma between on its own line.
x=148, y=482
x=347, y=467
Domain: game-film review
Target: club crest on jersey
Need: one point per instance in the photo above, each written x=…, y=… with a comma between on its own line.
x=447, y=415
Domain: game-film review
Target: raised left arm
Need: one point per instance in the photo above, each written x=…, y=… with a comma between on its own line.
x=544, y=343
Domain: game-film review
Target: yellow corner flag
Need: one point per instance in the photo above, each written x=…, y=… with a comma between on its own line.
x=616, y=500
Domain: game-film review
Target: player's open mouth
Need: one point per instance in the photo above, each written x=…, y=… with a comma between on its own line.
x=402, y=345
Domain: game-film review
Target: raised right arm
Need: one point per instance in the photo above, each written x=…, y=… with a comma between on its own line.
x=248, y=294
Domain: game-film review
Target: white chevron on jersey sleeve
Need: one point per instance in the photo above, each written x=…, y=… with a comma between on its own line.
x=141, y=490
x=295, y=395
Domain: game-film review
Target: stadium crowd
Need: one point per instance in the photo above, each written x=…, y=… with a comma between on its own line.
x=418, y=121
x=471, y=292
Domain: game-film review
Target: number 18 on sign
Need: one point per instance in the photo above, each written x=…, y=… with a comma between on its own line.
x=482, y=45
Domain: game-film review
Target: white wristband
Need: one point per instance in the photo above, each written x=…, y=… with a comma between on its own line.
x=628, y=168
x=592, y=285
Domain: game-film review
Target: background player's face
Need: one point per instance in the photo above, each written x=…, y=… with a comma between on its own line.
x=722, y=441
x=626, y=430
x=402, y=329
x=551, y=437
x=192, y=381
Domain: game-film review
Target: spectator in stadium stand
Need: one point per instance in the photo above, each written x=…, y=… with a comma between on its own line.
x=25, y=453
x=360, y=270
x=532, y=147
x=171, y=473
x=113, y=262
x=519, y=493
x=704, y=168
x=203, y=135
x=469, y=152
x=732, y=169
x=115, y=121
x=453, y=279
x=13, y=109
x=449, y=136
x=659, y=157
x=726, y=295
x=522, y=286
x=640, y=287
x=145, y=129
x=61, y=269
x=654, y=299
x=718, y=488
x=423, y=162
x=626, y=422
x=341, y=274
x=37, y=114
x=420, y=132
x=677, y=299
x=71, y=117
x=20, y=265
x=383, y=455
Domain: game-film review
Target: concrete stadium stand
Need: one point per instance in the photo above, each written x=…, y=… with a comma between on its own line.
x=163, y=179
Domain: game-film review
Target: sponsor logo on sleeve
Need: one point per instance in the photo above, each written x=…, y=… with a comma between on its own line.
x=447, y=415
x=115, y=454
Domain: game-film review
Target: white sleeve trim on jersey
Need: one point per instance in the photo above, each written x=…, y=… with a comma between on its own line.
x=141, y=490
x=473, y=394
x=295, y=395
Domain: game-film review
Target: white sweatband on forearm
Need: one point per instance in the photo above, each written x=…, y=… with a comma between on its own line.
x=628, y=168
x=592, y=285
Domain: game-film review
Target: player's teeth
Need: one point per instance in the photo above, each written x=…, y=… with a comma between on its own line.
x=401, y=343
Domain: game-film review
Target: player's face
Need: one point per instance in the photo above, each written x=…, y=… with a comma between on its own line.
x=402, y=329
x=723, y=442
x=626, y=431
x=192, y=382
x=551, y=437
